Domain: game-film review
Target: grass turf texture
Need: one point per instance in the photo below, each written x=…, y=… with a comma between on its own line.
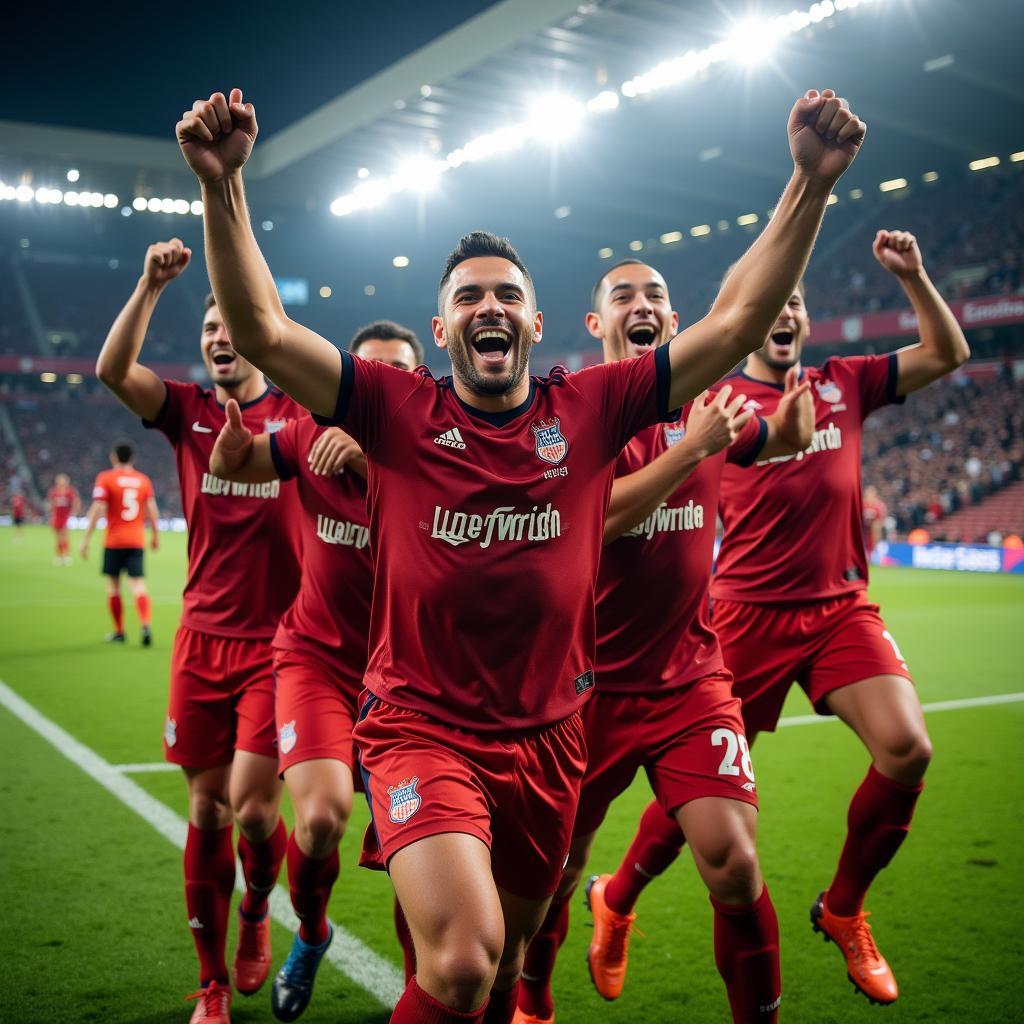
x=94, y=922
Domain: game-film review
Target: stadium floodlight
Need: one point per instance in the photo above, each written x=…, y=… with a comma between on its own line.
x=181, y=206
x=369, y=291
x=363, y=172
x=167, y=206
x=400, y=261
x=325, y=291
x=561, y=212
x=70, y=198
x=1015, y=158
x=606, y=253
x=73, y=378
x=930, y=176
x=892, y=185
x=153, y=205
x=699, y=230
x=196, y=206
x=72, y=175
x=603, y=102
x=126, y=211
x=24, y=194
x=48, y=377
x=670, y=236
x=555, y=117
x=747, y=218
x=832, y=199
x=856, y=193
x=110, y=200
x=636, y=245
x=419, y=173
x=139, y=203
x=984, y=163
x=753, y=40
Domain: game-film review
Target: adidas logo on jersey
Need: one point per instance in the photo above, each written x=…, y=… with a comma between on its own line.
x=451, y=439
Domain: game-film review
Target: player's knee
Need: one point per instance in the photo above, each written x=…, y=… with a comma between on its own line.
x=908, y=755
x=465, y=971
x=256, y=817
x=735, y=875
x=208, y=810
x=320, y=828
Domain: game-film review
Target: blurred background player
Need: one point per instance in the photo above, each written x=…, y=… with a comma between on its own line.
x=791, y=603
x=243, y=572
x=664, y=699
x=873, y=519
x=125, y=496
x=320, y=648
x=475, y=873
x=64, y=502
x=19, y=513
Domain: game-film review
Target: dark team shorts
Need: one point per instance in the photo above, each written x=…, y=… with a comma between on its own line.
x=18, y=520
x=119, y=560
x=221, y=700
x=517, y=794
x=690, y=742
x=60, y=523
x=822, y=645
x=315, y=710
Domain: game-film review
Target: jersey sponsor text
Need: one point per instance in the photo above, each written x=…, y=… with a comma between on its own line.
x=503, y=524
x=670, y=520
x=215, y=485
x=341, y=531
x=828, y=439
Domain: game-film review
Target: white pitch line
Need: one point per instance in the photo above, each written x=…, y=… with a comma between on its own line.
x=940, y=705
x=146, y=766
x=379, y=977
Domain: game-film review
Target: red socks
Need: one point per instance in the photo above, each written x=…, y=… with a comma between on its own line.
x=747, y=955
x=501, y=1007
x=405, y=941
x=261, y=863
x=878, y=821
x=535, y=987
x=116, y=612
x=656, y=845
x=416, y=1007
x=209, y=881
x=310, y=882
x=142, y=607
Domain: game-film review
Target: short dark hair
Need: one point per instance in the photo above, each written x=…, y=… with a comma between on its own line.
x=387, y=330
x=600, y=280
x=481, y=243
x=210, y=300
x=124, y=452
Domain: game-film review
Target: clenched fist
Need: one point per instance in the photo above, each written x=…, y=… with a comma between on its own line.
x=164, y=262
x=216, y=136
x=898, y=252
x=824, y=135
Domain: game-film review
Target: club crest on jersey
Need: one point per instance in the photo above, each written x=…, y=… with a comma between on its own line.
x=551, y=444
x=170, y=732
x=273, y=426
x=829, y=391
x=674, y=433
x=288, y=737
x=405, y=801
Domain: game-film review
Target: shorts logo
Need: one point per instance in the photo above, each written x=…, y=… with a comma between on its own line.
x=674, y=433
x=170, y=732
x=551, y=444
x=829, y=392
x=288, y=738
x=405, y=801
x=584, y=682
x=273, y=426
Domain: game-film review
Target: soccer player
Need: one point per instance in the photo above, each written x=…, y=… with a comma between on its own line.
x=470, y=738
x=19, y=510
x=664, y=698
x=125, y=496
x=320, y=647
x=791, y=603
x=64, y=502
x=243, y=572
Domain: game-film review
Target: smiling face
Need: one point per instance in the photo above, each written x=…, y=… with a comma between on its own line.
x=226, y=367
x=632, y=312
x=488, y=324
x=783, y=347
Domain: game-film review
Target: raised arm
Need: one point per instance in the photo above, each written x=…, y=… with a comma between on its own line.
x=118, y=366
x=240, y=455
x=824, y=137
x=710, y=427
x=216, y=137
x=942, y=346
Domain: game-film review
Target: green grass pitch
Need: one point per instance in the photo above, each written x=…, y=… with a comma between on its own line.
x=93, y=917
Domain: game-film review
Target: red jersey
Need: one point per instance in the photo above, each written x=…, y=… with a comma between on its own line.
x=61, y=500
x=331, y=614
x=793, y=523
x=126, y=492
x=653, y=626
x=18, y=505
x=243, y=539
x=486, y=534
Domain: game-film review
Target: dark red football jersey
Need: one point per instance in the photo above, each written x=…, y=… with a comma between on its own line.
x=243, y=539
x=62, y=501
x=486, y=534
x=331, y=614
x=793, y=523
x=653, y=626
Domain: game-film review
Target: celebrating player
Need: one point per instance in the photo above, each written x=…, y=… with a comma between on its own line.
x=664, y=699
x=791, y=602
x=64, y=502
x=125, y=496
x=470, y=738
x=243, y=553
x=320, y=646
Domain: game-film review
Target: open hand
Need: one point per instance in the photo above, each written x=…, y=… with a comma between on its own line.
x=332, y=451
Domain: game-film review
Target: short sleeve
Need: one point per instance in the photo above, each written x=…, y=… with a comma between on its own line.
x=99, y=489
x=284, y=450
x=876, y=378
x=168, y=419
x=749, y=444
x=369, y=395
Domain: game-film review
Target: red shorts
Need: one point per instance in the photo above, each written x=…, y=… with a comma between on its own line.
x=690, y=742
x=222, y=700
x=315, y=711
x=822, y=645
x=59, y=523
x=516, y=794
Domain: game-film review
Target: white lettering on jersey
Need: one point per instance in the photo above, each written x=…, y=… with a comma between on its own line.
x=669, y=520
x=341, y=531
x=503, y=524
x=214, y=485
x=829, y=439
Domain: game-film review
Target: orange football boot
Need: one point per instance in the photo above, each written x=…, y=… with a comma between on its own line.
x=865, y=966
x=609, y=948
x=522, y=1017
x=252, y=958
x=214, y=1006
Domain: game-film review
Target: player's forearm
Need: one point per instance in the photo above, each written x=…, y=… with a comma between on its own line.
x=942, y=347
x=786, y=436
x=636, y=496
x=250, y=464
x=123, y=343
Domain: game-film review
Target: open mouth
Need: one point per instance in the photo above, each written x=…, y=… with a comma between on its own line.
x=221, y=359
x=492, y=345
x=782, y=338
x=642, y=337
